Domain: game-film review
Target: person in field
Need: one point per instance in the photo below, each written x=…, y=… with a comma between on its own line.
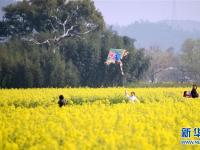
x=62, y=101
x=191, y=94
x=194, y=92
x=187, y=94
x=131, y=97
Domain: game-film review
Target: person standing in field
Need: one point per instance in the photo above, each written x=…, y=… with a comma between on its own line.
x=131, y=97
x=62, y=101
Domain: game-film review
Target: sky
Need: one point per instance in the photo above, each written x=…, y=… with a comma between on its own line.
x=124, y=12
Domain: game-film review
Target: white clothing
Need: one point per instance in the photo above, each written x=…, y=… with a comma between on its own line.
x=132, y=98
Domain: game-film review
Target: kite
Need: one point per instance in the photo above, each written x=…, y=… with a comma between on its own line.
x=115, y=56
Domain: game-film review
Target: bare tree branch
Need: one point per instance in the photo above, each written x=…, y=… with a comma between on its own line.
x=58, y=21
x=63, y=26
x=37, y=42
x=54, y=29
x=64, y=34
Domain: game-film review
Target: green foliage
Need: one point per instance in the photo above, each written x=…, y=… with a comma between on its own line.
x=74, y=61
x=25, y=17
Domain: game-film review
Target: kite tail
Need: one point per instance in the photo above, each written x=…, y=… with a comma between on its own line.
x=121, y=67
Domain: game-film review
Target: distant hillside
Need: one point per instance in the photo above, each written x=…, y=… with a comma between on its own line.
x=164, y=33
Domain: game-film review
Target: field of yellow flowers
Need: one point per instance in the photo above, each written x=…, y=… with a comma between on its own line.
x=99, y=118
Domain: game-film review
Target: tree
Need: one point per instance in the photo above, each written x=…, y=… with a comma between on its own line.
x=135, y=64
x=35, y=28
x=190, y=58
x=52, y=21
x=160, y=62
x=72, y=77
x=140, y=65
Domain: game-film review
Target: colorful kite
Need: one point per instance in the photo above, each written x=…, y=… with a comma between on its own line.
x=115, y=56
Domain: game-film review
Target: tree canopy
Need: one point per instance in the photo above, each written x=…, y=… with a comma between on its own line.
x=57, y=43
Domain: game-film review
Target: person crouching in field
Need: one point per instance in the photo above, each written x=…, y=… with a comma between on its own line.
x=62, y=101
x=192, y=94
x=132, y=98
x=187, y=94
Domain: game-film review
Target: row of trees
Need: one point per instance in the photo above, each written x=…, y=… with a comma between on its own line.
x=166, y=65
x=60, y=43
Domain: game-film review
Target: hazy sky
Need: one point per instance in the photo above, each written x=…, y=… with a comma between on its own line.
x=124, y=12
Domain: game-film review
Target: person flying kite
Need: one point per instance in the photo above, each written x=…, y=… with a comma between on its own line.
x=115, y=56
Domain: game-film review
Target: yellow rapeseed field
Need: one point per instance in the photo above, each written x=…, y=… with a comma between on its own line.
x=99, y=118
